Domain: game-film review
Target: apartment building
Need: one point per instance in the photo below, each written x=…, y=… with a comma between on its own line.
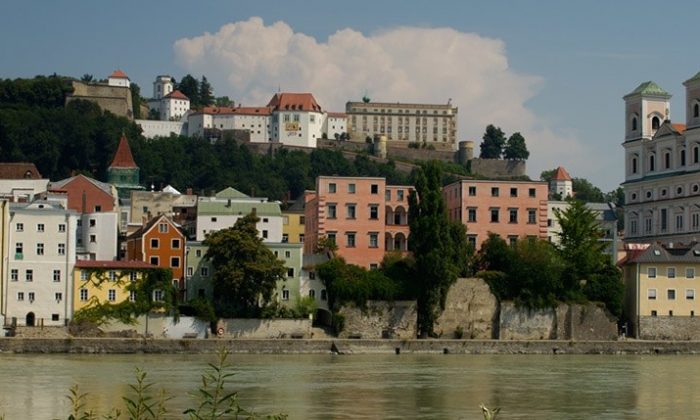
x=293, y=221
x=100, y=282
x=511, y=209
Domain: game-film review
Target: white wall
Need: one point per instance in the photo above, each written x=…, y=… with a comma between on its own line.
x=152, y=128
x=205, y=225
x=104, y=227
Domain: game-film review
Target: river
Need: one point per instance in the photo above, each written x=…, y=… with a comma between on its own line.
x=429, y=386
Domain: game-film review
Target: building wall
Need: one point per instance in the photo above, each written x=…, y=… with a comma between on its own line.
x=4, y=256
x=199, y=272
x=297, y=128
x=98, y=284
x=208, y=223
x=22, y=189
x=481, y=197
x=161, y=254
x=94, y=200
x=97, y=236
x=293, y=227
x=288, y=291
x=172, y=109
x=663, y=283
x=153, y=128
x=115, y=99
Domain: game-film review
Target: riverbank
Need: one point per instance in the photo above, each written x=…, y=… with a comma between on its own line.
x=341, y=346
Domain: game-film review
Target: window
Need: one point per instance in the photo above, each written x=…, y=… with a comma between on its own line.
x=265, y=220
x=331, y=211
x=350, y=211
x=285, y=294
x=264, y=234
x=494, y=215
x=667, y=160
x=40, y=227
x=83, y=295
x=351, y=188
x=312, y=293
x=331, y=187
x=671, y=272
x=494, y=192
x=301, y=238
x=651, y=272
x=29, y=275
x=472, y=191
x=111, y=295
x=302, y=220
x=690, y=294
x=324, y=294
x=651, y=163
x=374, y=240
x=671, y=294
x=92, y=223
x=682, y=157
x=14, y=274
x=93, y=239
x=61, y=249
x=112, y=275
x=204, y=271
x=287, y=254
x=634, y=123
x=679, y=222
x=58, y=296
x=61, y=227
x=512, y=240
x=175, y=244
x=163, y=227
x=331, y=237
x=634, y=165
x=98, y=209
x=399, y=195
x=39, y=249
x=213, y=219
x=20, y=296
x=471, y=214
x=190, y=271
x=690, y=273
x=18, y=249
x=20, y=227
x=154, y=260
x=696, y=111
x=290, y=272
x=158, y=295
x=198, y=253
x=31, y=297
x=83, y=275
x=374, y=189
x=56, y=275
x=655, y=123
x=651, y=294
x=373, y=211
x=132, y=276
x=532, y=216
x=532, y=192
x=154, y=243
x=513, y=192
x=653, y=313
x=174, y=262
x=374, y=266
x=512, y=215
x=132, y=295
x=285, y=237
x=350, y=239
x=285, y=220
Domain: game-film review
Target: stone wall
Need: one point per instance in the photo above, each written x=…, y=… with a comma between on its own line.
x=587, y=322
x=517, y=323
x=497, y=168
x=159, y=326
x=380, y=320
x=265, y=328
x=669, y=328
x=471, y=309
x=114, y=99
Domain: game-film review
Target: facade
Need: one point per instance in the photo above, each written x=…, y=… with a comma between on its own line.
x=87, y=195
x=336, y=124
x=358, y=214
x=606, y=218
x=123, y=173
x=403, y=124
x=561, y=184
x=181, y=208
x=160, y=243
x=662, y=163
x=113, y=96
x=37, y=275
x=169, y=103
x=511, y=209
x=118, y=79
x=211, y=121
x=310, y=284
x=288, y=290
x=199, y=273
x=21, y=181
x=297, y=119
x=173, y=106
x=162, y=86
x=228, y=205
x=100, y=282
x=660, y=291
x=293, y=222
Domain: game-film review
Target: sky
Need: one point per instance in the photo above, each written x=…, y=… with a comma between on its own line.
x=553, y=70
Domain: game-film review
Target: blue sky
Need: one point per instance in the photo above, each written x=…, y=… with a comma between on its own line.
x=573, y=60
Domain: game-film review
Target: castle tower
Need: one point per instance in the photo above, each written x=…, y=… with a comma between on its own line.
x=561, y=183
x=123, y=172
x=162, y=87
x=119, y=79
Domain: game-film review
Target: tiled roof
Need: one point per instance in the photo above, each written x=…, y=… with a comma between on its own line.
x=337, y=115
x=19, y=170
x=294, y=102
x=679, y=127
x=240, y=208
x=123, y=157
x=140, y=231
x=648, y=88
x=561, y=175
x=59, y=185
x=118, y=74
x=230, y=192
x=659, y=253
x=241, y=110
x=176, y=94
x=112, y=264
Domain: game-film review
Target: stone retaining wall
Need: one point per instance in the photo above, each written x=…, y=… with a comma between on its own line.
x=470, y=309
x=380, y=320
x=669, y=328
x=265, y=328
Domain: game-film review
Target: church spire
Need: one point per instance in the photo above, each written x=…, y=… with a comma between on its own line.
x=123, y=157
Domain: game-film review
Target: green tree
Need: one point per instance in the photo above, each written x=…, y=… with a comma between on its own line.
x=190, y=87
x=136, y=99
x=515, y=148
x=206, y=92
x=536, y=273
x=493, y=141
x=87, y=78
x=223, y=101
x=245, y=270
x=547, y=175
x=587, y=192
x=437, y=245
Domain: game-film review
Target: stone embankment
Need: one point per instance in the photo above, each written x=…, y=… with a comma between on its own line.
x=341, y=346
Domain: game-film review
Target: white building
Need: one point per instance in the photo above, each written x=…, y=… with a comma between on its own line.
x=561, y=184
x=297, y=119
x=212, y=120
x=37, y=280
x=162, y=87
x=227, y=206
x=336, y=124
x=119, y=79
x=97, y=236
x=169, y=103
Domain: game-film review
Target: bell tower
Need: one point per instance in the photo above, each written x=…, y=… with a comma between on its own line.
x=646, y=108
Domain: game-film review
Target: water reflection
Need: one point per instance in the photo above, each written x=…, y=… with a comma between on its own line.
x=373, y=386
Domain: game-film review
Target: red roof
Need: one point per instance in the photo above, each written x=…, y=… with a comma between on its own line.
x=679, y=127
x=241, y=110
x=118, y=74
x=19, y=170
x=337, y=115
x=561, y=175
x=123, y=157
x=294, y=102
x=176, y=94
x=112, y=264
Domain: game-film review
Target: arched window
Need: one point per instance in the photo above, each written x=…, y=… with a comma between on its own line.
x=651, y=163
x=634, y=165
x=634, y=123
x=682, y=157
x=696, y=154
x=696, y=110
x=667, y=160
x=655, y=123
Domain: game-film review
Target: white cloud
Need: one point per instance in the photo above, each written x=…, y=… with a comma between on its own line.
x=249, y=61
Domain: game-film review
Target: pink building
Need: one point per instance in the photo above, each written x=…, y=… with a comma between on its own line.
x=365, y=217
x=511, y=209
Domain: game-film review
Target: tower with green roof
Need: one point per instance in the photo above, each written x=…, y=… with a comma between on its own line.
x=646, y=108
x=692, y=101
x=123, y=173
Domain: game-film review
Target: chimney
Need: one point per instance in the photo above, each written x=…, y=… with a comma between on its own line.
x=84, y=202
x=189, y=191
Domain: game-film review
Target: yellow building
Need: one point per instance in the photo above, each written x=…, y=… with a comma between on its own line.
x=293, y=223
x=105, y=281
x=661, y=283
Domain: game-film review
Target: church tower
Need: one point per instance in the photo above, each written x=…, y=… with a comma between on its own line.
x=561, y=184
x=123, y=172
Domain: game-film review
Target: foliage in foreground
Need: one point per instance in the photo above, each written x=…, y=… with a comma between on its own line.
x=212, y=400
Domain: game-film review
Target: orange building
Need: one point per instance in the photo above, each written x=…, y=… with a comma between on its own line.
x=362, y=215
x=161, y=243
x=510, y=209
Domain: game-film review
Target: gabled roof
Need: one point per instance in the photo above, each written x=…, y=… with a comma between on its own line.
x=660, y=253
x=648, y=88
x=112, y=264
x=170, y=189
x=123, y=157
x=176, y=94
x=241, y=110
x=680, y=128
x=118, y=74
x=561, y=175
x=19, y=170
x=230, y=192
x=238, y=208
x=669, y=129
x=60, y=185
x=294, y=102
x=145, y=228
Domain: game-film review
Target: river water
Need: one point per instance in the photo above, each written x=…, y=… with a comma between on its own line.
x=402, y=386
